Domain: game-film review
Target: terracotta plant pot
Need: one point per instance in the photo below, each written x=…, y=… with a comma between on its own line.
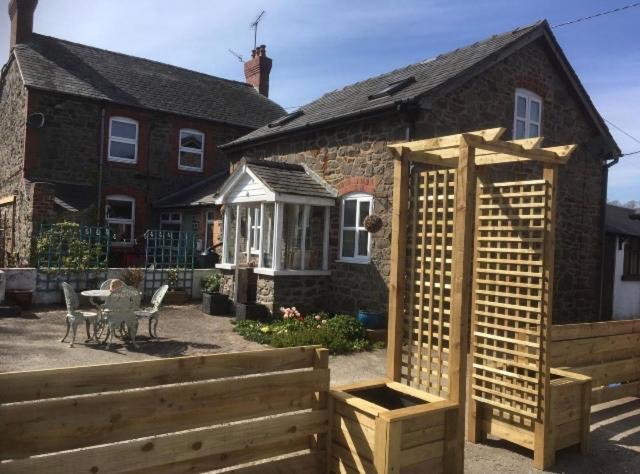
x=22, y=298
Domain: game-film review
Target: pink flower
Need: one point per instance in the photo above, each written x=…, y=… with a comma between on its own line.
x=317, y=317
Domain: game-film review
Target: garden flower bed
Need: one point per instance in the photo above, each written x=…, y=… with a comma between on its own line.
x=340, y=333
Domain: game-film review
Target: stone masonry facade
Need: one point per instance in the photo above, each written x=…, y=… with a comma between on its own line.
x=354, y=157
x=66, y=150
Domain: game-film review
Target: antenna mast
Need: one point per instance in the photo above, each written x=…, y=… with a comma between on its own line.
x=254, y=27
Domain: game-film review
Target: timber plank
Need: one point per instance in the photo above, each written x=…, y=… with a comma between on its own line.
x=51, y=383
x=68, y=423
x=219, y=441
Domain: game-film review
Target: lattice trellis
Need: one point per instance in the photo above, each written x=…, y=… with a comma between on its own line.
x=427, y=313
x=508, y=294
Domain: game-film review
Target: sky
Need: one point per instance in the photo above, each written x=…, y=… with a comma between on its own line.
x=319, y=46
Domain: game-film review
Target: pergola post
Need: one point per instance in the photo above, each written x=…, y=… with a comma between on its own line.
x=397, y=277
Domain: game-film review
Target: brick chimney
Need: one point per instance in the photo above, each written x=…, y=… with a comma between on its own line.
x=257, y=69
x=21, y=15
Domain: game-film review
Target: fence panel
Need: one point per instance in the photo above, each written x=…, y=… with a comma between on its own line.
x=168, y=250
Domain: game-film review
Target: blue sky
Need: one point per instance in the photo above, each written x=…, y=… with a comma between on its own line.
x=318, y=46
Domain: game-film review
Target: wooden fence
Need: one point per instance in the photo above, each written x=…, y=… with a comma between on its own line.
x=170, y=415
x=608, y=352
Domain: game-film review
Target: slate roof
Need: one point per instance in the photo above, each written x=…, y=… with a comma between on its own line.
x=288, y=178
x=201, y=193
x=61, y=66
x=72, y=197
x=618, y=221
x=426, y=78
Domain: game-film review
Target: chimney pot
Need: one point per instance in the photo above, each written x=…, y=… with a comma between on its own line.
x=21, y=15
x=257, y=70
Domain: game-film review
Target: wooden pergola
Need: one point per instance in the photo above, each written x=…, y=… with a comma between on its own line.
x=439, y=185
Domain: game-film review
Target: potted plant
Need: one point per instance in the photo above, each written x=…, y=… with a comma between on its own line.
x=213, y=302
x=175, y=294
x=133, y=277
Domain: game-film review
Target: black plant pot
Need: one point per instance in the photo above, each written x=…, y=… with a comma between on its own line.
x=215, y=303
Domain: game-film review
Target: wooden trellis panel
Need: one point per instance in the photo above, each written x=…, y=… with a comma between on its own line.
x=425, y=345
x=509, y=315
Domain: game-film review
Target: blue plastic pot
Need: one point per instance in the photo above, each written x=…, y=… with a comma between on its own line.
x=372, y=319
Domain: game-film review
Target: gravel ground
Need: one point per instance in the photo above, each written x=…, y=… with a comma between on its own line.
x=33, y=342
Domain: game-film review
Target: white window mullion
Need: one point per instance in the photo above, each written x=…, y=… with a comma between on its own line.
x=236, y=252
x=325, y=239
x=225, y=235
x=260, y=257
x=303, y=244
x=277, y=235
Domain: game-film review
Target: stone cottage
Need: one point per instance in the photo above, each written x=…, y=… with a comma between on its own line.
x=104, y=138
x=520, y=80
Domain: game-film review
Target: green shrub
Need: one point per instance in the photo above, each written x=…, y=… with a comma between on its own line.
x=341, y=334
x=212, y=283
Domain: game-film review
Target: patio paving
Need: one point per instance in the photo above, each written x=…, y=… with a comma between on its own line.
x=33, y=342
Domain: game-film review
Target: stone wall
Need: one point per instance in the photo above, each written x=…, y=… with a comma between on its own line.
x=353, y=157
x=13, y=102
x=306, y=293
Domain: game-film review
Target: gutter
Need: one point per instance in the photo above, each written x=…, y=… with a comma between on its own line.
x=603, y=223
x=100, y=166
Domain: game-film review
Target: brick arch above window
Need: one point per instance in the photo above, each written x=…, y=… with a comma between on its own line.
x=357, y=184
x=533, y=85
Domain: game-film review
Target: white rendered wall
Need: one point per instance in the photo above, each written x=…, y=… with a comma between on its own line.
x=626, y=294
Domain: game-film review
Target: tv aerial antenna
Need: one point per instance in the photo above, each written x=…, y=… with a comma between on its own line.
x=254, y=27
x=237, y=55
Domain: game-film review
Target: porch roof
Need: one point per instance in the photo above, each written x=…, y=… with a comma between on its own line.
x=261, y=180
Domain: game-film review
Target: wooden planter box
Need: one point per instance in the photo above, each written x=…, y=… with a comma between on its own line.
x=174, y=297
x=570, y=418
x=383, y=427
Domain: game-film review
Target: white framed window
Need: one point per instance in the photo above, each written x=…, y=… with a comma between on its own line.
x=527, y=116
x=254, y=228
x=190, y=150
x=171, y=221
x=120, y=213
x=355, y=241
x=123, y=140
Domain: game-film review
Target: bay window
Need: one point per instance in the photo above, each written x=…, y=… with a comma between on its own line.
x=120, y=219
x=276, y=236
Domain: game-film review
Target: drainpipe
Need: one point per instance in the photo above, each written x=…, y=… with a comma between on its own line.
x=100, y=166
x=605, y=170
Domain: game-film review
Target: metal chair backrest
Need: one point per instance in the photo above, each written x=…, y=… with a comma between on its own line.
x=126, y=299
x=70, y=297
x=158, y=296
x=106, y=285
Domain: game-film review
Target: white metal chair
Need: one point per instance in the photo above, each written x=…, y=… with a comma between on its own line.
x=75, y=316
x=153, y=312
x=121, y=306
x=106, y=285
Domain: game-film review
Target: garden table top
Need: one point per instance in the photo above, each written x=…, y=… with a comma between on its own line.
x=96, y=293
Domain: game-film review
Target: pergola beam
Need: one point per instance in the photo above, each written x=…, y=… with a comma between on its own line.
x=449, y=141
x=552, y=155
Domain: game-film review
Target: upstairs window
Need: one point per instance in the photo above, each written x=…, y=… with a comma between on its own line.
x=631, y=263
x=527, y=114
x=120, y=218
x=191, y=150
x=123, y=140
x=171, y=221
x=355, y=241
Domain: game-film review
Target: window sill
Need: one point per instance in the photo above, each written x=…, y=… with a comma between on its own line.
x=190, y=170
x=272, y=272
x=226, y=266
x=358, y=262
x=122, y=161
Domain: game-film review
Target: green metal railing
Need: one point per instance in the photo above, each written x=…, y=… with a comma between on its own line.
x=168, y=250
